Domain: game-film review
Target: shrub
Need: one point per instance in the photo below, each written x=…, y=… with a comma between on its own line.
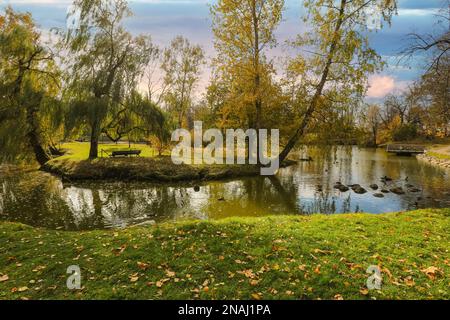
x=405, y=132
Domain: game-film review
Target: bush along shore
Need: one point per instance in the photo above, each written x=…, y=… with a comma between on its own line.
x=277, y=257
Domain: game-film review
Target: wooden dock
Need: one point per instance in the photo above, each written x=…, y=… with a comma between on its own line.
x=405, y=149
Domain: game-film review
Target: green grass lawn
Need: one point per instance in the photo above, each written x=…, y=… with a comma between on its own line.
x=278, y=257
x=78, y=151
x=438, y=155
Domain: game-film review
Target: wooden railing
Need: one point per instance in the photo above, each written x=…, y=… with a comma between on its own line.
x=405, y=149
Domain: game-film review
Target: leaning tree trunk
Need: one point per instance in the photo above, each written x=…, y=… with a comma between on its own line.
x=316, y=98
x=34, y=138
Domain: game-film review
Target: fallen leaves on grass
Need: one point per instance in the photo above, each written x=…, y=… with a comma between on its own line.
x=248, y=273
x=323, y=251
x=256, y=296
x=409, y=281
x=120, y=250
x=170, y=274
x=134, y=277
x=364, y=291
x=431, y=272
x=161, y=282
x=254, y=282
x=20, y=289
x=142, y=265
x=317, y=269
x=39, y=268
x=4, y=278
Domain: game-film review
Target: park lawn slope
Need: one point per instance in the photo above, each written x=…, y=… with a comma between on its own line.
x=277, y=257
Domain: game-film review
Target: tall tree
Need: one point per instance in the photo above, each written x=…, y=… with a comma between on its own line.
x=28, y=81
x=434, y=88
x=342, y=57
x=181, y=64
x=243, y=30
x=105, y=63
x=373, y=122
x=399, y=106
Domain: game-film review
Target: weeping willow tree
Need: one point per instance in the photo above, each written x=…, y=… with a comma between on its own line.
x=138, y=119
x=104, y=66
x=29, y=85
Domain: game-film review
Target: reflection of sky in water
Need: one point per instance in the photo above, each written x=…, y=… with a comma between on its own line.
x=40, y=199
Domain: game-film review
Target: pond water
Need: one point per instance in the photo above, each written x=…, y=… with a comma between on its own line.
x=40, y=199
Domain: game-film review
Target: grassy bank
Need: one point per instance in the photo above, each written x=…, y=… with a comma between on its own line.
x=294, y=257
x=148, y=167
x=158, y=169
x=437, y=155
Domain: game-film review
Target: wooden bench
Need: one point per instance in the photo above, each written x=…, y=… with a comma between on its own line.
x=122, y=153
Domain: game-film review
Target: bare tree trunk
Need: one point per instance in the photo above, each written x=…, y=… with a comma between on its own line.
x=315, y=100
x=375, y=133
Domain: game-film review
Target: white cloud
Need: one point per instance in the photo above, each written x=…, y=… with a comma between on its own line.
x=418, y=12
x=382, y=85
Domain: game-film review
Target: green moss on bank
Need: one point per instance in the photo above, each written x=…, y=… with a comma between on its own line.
x=287, y=257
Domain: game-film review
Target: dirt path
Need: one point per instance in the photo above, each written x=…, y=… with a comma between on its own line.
x=442, y=149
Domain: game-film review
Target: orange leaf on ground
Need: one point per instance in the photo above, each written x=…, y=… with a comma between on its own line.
x=431, y=272
x=256, y=296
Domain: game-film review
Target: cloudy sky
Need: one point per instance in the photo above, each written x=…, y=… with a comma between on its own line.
x=164, y=19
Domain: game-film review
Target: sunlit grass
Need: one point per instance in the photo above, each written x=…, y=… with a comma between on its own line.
x=78, y=151
x=277, y=257
x=439, y=155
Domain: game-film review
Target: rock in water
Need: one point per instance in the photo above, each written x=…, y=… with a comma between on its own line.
x=343, y=188
x=338, y=185
x=414, y=190
x=378, y=195
x=384, y=191
x=196, y=188
x=360, y=190
x=398, y=190
x=374, y=186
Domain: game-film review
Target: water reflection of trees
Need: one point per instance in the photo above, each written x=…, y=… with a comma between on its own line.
x=33, y=198
x=38, y=198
